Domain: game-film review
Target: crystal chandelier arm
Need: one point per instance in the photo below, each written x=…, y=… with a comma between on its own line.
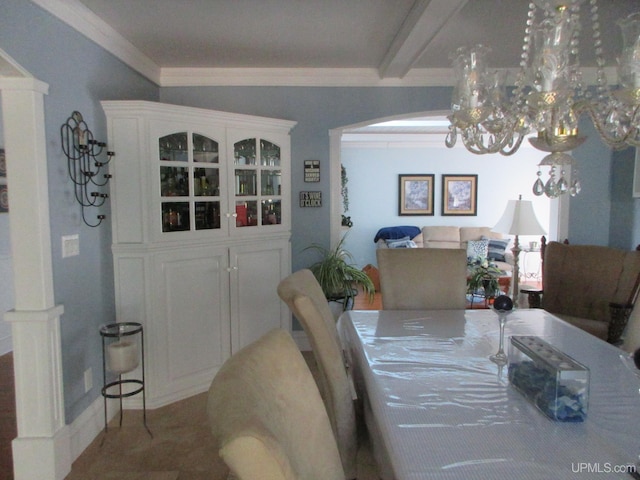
x=615, y=132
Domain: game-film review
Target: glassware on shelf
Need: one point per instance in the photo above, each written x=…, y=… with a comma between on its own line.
x=207, y=215
x=271, y=182
x=174, y=147
x=206, y=182
x=175, y=216
x=174, y=181
x=271, y=212
x=269, y=154
x=245, y=182
x=205, y=149
x=244, y=152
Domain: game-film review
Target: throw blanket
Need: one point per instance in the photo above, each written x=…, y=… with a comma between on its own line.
x=396, y=233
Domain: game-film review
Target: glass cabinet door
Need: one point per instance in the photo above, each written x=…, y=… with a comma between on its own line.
x=258, y=185
x=189, y=182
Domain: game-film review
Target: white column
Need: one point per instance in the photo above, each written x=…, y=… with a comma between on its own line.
x=42, y=448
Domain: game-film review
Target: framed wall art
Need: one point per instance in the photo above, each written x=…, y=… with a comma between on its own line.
x=416, y=194
x=459, y=195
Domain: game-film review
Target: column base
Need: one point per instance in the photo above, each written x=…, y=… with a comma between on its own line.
x=42, y=457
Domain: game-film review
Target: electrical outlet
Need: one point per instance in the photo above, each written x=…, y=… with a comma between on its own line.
x=70, y=245
x=88, y=380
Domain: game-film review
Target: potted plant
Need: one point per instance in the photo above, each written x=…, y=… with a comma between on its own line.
x=344, y=191
x=484, y=276
x=337, y=275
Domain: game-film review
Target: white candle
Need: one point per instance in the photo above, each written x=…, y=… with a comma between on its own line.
x=122, y=356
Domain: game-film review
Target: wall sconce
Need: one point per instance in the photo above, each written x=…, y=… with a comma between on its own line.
x=82, y=152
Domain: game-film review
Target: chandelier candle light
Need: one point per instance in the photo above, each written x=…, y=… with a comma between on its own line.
x=549, y=94
x=518, y=219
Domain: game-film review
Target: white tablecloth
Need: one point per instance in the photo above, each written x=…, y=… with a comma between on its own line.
x=438, y=408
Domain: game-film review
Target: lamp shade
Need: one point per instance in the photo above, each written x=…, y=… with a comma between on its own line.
x=519, y=219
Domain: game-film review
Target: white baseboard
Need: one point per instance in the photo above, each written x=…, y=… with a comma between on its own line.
x=89, y=425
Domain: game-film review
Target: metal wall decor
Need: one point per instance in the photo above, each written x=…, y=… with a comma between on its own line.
x=85, y=168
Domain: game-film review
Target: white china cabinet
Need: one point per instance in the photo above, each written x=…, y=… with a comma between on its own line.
x=201, y=217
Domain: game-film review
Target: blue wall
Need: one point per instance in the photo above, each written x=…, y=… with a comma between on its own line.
x=624, y=225
x=79, y=75
x=373, y=188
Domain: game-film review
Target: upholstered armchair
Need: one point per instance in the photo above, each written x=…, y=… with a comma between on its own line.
x=267, y=417
x=592, y=287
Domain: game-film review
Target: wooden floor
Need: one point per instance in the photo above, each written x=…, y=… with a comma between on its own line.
x=8, y=430
x=361, y=302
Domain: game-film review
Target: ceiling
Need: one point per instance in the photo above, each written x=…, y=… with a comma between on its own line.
x=388, y=42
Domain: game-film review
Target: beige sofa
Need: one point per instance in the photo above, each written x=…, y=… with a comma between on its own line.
x=457, y=237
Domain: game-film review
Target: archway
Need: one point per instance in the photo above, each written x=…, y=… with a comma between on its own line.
x=557, y=209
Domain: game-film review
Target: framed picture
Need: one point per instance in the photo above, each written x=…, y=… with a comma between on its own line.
x=460, y=195
x=416, y=194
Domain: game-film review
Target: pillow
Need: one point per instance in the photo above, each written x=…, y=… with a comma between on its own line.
x=401, y=243
x=497, y=248
x=477, y=249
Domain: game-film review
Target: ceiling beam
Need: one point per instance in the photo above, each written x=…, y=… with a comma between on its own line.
x=425, y=19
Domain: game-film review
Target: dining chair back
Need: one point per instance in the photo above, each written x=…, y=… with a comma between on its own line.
x=303, y=294
x=267, y=417
x=422, y=278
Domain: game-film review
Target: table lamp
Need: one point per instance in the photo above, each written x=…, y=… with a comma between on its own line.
x=518, y=219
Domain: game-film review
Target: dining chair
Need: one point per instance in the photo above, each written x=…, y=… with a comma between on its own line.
x=267, y=417
x=303, y=294
x=423, y=278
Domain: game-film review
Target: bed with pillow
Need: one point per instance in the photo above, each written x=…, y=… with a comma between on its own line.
x=479, y=242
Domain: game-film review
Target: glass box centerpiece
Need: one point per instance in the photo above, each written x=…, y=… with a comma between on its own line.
x=554, y=382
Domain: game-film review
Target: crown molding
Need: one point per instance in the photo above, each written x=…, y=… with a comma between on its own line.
x=376, y=140
x=79, y=17
x=393, y=140
x=300, y=77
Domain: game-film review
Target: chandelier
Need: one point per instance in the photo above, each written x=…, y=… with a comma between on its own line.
x=549, y=94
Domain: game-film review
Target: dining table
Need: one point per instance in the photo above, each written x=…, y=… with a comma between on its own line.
x=437, y=407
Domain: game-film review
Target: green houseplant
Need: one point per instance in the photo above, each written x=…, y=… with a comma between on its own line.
x=337, y=275
x=344, y=191
x=483, y=276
